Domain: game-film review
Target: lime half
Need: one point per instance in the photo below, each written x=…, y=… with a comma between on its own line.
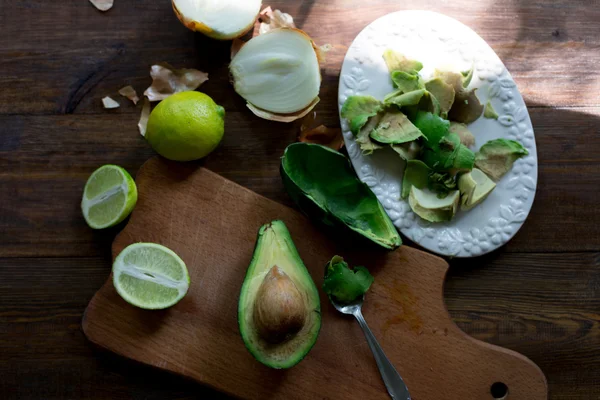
x=109, y=197
x=150, y=276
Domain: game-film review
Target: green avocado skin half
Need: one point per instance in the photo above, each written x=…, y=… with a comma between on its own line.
x=322, y=183
x=275, y=250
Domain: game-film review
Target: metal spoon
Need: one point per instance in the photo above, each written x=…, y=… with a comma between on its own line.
x=391, y=378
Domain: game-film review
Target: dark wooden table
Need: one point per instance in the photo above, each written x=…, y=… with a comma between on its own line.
x=539, y=295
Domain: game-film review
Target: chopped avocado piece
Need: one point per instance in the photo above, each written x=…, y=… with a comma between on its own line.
x=432, y=127
x=407, y=99
x=450, y=156
x=451, y=78
x=407, y=151
x=443, y=92
x=323, y=184
x=489, y=111
x=363, y=139
x=279, y=311
x=415, y=174
x=448, y=149
x=343, y=284
x=496, y=157
x=465, y=135
x=467, y=76
x=430, y=207
x=406, y=82
x=464, y=160
x=395, y=128
x=441, y=183
x=358, y=109
x=429, y=103
x=398, y=62
x=474, y=187
x=466, y=108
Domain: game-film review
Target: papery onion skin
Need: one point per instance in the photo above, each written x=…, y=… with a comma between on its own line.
x=252, y=64
x=201, y=27
x=259, y=112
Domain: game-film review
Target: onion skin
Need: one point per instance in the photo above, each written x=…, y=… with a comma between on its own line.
x=264, y=114
x=207, y=30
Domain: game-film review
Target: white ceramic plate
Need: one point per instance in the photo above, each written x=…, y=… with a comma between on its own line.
x=438, y=41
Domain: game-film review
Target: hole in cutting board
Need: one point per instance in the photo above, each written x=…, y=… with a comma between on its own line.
x=499, y=391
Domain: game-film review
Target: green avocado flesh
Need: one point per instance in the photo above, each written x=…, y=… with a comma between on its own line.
x=406, y=82
x=279, y=310
x=323, y=184
x=398, y=62
x=496, y=157
x=416, y=174
x=395, y=128
x=358, y=109
x=344, y=284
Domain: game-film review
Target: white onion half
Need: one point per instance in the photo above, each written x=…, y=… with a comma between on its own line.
x=278, y=72
x=219, y=19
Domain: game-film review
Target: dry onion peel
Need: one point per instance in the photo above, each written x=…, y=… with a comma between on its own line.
x=219, y=19
x=143, y=123
x=130, y=93
x=109, y=103
x=167, y=80
x=102, y=5
x=330, y=137
x=259, y=112
x=278, y=72
x=270, y=20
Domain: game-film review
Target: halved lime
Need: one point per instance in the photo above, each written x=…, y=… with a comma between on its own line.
x=150, y=276
x=109, y=197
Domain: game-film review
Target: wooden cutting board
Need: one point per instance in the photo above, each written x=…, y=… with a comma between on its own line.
x=212, y=224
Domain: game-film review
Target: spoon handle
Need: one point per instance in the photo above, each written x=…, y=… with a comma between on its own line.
x=391, y=378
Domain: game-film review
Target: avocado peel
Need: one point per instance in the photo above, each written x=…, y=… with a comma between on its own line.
x=323, y=184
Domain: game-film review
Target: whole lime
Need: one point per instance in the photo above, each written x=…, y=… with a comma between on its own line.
x=186, y=126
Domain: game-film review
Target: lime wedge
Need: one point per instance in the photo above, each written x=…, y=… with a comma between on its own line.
x=109, y=197
x=150, y=276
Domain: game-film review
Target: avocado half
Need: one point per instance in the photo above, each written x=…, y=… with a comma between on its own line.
x=279, y=310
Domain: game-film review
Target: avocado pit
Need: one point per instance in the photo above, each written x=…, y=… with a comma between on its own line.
x=279, y=311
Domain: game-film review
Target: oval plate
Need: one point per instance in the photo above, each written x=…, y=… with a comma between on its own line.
x=437, y=40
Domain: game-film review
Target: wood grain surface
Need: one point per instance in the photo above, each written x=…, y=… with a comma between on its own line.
x=539, y=295
x=199, y=338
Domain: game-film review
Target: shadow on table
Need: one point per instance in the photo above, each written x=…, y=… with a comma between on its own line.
x=149, y=383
